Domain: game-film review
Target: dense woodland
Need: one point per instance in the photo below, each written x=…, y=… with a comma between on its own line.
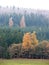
x=30, y=41
x=30, y=19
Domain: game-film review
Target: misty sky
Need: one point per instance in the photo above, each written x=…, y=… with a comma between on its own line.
x=35, y=4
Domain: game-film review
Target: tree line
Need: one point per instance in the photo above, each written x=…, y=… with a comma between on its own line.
x=28, y=47
x=31, y=19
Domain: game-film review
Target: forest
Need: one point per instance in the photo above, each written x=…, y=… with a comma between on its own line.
x=24, y=35
x=18, y=42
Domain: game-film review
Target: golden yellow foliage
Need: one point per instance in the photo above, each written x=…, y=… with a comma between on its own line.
x=29, y=39
x=34, y=39
x=26, y=40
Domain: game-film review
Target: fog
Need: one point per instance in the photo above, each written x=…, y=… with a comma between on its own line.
x=34, y=4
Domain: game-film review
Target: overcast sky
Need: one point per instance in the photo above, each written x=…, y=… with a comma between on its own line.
x=34, y=4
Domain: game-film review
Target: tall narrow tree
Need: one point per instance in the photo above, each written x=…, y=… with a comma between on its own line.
x=10, y=22
x=22, y=22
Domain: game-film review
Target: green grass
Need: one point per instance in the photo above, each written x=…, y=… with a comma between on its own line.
x=24, y=62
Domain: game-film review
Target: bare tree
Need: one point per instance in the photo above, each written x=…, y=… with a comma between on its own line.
x=22, y=22
x=10, y=22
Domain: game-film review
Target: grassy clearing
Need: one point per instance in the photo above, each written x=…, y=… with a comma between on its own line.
x=24, y=62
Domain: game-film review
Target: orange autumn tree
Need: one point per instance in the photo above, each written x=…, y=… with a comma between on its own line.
x=26, y=41
x=29, y=40
x=34, y=38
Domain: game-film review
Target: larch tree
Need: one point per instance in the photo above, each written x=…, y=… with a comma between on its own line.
x=34, y=38
x=22, y=22
x=29, y=40
x=26, y=41
x=10, y=22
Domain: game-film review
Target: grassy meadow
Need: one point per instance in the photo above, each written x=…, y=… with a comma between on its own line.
x=24, y=62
